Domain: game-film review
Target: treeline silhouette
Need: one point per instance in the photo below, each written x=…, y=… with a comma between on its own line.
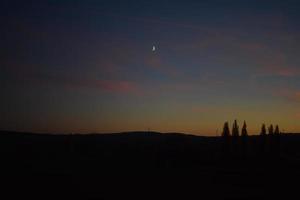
x=237, y=145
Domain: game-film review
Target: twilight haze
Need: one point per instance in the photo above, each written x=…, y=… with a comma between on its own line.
x=89, y=66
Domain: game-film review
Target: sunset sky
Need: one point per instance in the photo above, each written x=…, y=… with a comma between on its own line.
x=88, y=66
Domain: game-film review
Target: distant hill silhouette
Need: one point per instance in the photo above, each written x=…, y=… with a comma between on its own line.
x=144, y=165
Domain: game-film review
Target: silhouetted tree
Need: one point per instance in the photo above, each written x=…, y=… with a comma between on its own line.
x=235, y=146
x=276, y=132
x=263, y=140
x=226, y=131
x=271, y=130
x=276, y=141
x=244, y=145
x=263, y=130
x=244, y=129
x=271, y=141
x=235, y=129
x=225, y=140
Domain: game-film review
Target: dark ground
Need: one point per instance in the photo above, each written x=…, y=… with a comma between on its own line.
x=146, y=165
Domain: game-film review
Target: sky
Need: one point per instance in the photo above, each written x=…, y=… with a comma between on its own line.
x=88, y=66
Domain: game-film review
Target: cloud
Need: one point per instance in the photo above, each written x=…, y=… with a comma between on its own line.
x=289, y=94
x=296, y=96
x=278, y=70
x=233, y=49
x=156, y=63
x=107, y=85
x=286, y=71
x=252, y=46
x=297, y=115
x=113, y=86
x=117, y=86
x=268, y=61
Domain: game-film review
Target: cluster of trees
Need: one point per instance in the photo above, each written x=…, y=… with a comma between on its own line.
x=239, y=144
x=270, y=130
x=235, y=130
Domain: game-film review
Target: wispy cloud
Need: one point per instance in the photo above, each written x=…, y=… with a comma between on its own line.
x=113, y=86
x=285, y=71
x=297, y=115
x=292, y=95
x=119, y=86
x=296, y=96
x=107, y=85
x=156, y=63
x=278, y=70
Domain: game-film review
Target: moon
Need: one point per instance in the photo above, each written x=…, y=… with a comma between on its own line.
x=153, y=48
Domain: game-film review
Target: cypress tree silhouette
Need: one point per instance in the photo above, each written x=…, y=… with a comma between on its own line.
x=244, y=144
x=276, y=141
x=263, y=140
x=226, y=131
x=235, y=140
x=244, y=129
x=271, y=130
x=271, y=141
x=235, y=129
x=263, y=130
x=225, y=149
x=276, y=132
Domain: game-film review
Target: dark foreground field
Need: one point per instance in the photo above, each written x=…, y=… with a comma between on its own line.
x=146, y=165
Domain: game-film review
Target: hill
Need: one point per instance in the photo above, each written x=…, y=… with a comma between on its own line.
x=145, y=165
